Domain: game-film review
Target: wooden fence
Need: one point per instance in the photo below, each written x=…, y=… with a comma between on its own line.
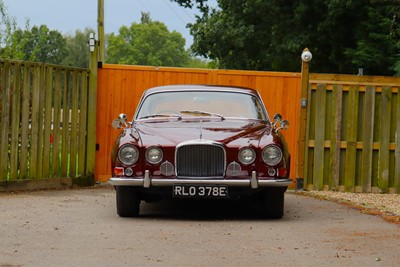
x=43, y=118
x=120, y=88
x=353, y=132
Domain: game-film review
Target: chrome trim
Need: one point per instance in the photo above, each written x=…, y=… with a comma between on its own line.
x=146, y=180
x=253, y=180
x=170, y=182
x=199, y=142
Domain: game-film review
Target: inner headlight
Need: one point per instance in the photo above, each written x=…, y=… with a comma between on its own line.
x=154, y=155
x=128, y=154
x=272, y=155
x=247, y=156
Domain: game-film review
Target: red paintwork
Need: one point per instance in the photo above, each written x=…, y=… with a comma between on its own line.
x=234, y=134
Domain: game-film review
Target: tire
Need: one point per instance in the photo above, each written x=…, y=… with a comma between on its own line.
x=128, y=201
x=273, y=202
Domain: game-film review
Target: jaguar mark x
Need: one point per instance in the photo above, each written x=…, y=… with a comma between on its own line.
x=200, y=141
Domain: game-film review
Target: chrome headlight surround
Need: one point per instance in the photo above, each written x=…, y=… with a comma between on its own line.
x=272, y=155
x=247, y=156
x=128, y=154
x=154, y=155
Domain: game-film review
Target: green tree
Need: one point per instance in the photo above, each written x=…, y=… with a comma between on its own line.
x=147, y=43
x=77, y=49
x=43, y=45
x=34, y=44
x=10, y=46
x=269, y=34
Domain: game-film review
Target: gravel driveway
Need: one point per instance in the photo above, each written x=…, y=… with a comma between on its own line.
x=80, y=227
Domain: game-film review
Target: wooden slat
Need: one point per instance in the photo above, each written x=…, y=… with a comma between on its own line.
x=5, y=121
x=25, y=129
x=319, y=137
x=40, y=148
x=351, y=132
x=65, y=125
x=368, y=130
x=383, y=172
x=308, y=152
x=48, y=89
x=15, y=121
x=397, y=151
x=35, y=122
x=82, y=124
x=336, y=120
x=56, y=133
x=74, y=126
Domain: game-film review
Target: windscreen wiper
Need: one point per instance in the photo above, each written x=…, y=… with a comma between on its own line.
x=161, y=115
x=201, y=113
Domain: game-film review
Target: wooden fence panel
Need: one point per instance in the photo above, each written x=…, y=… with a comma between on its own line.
x=364, y=134
x=120, y=88
x=5, y=117
x=319, y=137
x=40, y=106
x=368, y=126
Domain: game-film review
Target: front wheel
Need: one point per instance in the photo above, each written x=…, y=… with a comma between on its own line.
x=273, y=202
x=128, y=201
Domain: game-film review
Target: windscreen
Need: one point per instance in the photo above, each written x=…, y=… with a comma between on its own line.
x=195, y=103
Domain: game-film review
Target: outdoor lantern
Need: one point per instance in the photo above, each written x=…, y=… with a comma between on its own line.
x=92, y=42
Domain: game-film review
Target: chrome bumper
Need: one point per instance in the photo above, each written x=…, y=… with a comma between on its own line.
x=148, y=182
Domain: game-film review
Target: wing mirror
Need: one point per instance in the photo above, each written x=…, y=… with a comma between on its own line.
x=120, y=122
x=283, y=124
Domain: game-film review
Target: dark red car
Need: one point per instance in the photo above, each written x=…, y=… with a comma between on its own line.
x=200, y=141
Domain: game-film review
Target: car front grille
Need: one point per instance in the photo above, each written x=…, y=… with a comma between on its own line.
x=200, y=160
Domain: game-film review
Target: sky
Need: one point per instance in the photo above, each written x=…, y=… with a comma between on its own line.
x=71, y=15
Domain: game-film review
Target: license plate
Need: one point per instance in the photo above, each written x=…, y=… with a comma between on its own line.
x=200, y=191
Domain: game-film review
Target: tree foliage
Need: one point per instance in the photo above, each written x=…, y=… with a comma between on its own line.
x=343, y=35
x=147, y=43
x=77, y=49
x=40, y=44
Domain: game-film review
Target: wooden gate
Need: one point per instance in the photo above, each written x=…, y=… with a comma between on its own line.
x=353, y=134
x=120, y=88
x=43, y=118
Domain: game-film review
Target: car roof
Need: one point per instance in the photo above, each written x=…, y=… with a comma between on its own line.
x=198, y=87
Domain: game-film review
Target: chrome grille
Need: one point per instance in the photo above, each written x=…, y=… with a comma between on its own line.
x=200, y=160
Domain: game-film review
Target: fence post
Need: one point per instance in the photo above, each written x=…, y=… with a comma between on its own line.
x=306, y=57
x=92, y=108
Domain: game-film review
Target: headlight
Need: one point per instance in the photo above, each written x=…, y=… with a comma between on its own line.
x=247, y=156
x=154, y=155
x=128, y=154
x=272, y=155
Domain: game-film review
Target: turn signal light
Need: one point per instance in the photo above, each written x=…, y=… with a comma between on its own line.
x=119, y=171
x=282, y=172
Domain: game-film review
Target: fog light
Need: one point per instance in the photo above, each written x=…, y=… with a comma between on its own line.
x=128, y=171
x=271, y=172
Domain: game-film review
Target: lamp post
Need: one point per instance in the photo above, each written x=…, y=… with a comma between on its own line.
x=92, y=106
x=306, y=57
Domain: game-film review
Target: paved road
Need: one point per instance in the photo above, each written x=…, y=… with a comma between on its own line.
x=81, y=228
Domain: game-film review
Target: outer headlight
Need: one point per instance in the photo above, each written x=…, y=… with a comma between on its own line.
x=154, y=155
x=247, y=156
x=128, y=154
x=272, y=155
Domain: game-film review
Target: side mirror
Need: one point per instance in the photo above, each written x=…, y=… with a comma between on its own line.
x=121, y=121
x=284, y=124
x=277, y=118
